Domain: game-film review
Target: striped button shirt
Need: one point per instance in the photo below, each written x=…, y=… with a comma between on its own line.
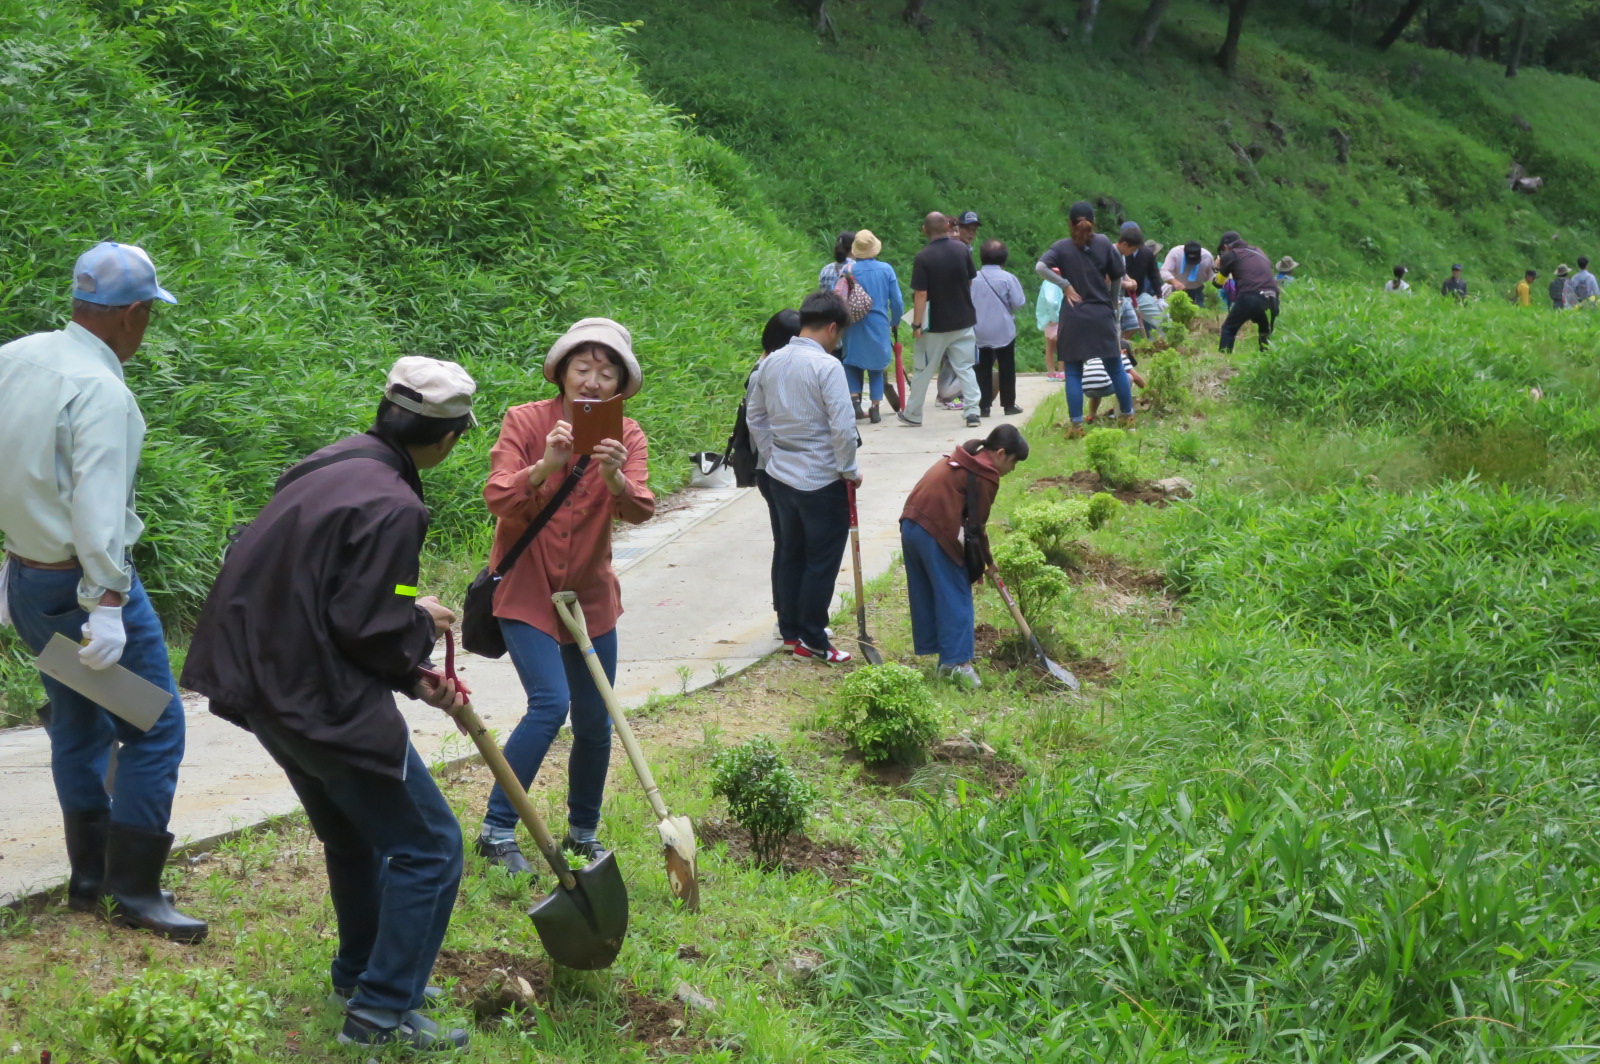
x=801, y=418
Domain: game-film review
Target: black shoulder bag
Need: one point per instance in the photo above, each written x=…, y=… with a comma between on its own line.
x=973, y=537
x=480, y=632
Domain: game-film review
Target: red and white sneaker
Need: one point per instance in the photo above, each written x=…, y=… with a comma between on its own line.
x=831, y=656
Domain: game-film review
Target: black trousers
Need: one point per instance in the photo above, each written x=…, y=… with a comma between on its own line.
x=764, y=486
x=1259, y=307
x=1005, y=359
x=816, y=527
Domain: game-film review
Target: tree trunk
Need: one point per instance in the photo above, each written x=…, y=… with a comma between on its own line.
x=1398, y=26
x=1515, y=62
x=1228, y=57
x=1145, y=39
x=1088, y=11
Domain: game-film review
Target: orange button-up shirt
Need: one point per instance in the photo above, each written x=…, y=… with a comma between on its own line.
x=573, y=551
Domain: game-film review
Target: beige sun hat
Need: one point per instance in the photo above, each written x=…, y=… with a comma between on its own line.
x=602, y=331
x=431, y=387
x=1286, y=264
x=866, y=245
x=1563, y=270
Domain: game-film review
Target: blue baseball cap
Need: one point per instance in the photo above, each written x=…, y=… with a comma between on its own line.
x=114, y=275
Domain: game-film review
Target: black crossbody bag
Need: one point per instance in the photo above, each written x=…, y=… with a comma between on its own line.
x=974, y=542
x=480, y=631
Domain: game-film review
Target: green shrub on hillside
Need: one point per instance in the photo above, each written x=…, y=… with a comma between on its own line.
x=1054, y=525
x=764, y=794
x=1040, y=588
x=1181, y=310
x=1108, y=456
x=194, y=1017
x=1166, y=387
x=889, y=714
x=1103, y=509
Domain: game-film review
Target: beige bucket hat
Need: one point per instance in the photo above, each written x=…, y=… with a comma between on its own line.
x=612, y=335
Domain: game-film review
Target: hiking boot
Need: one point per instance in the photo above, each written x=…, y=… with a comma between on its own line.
x=961, y=675
x=134, y=860
x=1013, y=410
x=505, y=853
x=831, y=656
x=366, y=1027
x=432, y=998
x=874, y=416
x=901, y=415
x=589, y=849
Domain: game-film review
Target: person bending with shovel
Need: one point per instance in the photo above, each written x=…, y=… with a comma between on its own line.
x=946, y=548
x=312, y=626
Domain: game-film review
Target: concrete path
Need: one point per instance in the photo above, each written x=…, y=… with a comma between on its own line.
x=697, y=595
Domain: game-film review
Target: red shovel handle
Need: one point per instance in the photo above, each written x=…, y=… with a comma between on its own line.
x=449, y=665
x=850, y=489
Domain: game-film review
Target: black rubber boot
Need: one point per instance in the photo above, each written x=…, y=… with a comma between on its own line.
x=134, y=860
x=86, y=852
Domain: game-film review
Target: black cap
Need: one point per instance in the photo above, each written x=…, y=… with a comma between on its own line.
x=970, y=218
x=1455, y=265
x=1191, y=250
x=1231, y=238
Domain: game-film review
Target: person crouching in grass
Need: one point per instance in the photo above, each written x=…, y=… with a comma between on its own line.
x=946, y=547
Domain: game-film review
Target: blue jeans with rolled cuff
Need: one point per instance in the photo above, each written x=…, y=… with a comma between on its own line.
x=1119, y=384
x=557, y=682
x=855, y=375
x=941, y=597
x=44, y=602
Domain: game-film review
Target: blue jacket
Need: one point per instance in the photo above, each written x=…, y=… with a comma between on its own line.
x=867, y=342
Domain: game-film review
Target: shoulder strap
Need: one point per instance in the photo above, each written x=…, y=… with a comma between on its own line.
x=543, y=518
x=380, y=454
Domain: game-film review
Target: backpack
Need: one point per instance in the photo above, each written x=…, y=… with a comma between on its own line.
x=857, y=303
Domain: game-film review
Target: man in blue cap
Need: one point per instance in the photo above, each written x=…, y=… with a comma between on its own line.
x=71, y=437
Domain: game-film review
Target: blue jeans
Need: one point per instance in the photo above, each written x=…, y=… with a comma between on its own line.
x=816, y=528
x=854, y=375
x=557, y=682
x=45, y=601
x=1119, y=384
x=393, y=852
x=941, y=597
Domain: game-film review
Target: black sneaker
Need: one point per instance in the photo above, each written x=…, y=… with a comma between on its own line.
x=432, y=998
x=900, y=415
x=414, y=1031
x=1013, y=410
x=590, y=851
x=507, y=855
x=983, y=411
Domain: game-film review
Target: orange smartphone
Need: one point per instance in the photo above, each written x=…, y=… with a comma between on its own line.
x=593, y=421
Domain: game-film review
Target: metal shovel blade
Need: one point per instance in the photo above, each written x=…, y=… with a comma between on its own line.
x=1060, y=672
x=584, y=927
x=678, y=851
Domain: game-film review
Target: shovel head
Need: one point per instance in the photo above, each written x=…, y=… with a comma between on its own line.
x=1060, y=673
x=869, y=651
x=678, y=851
x=583, y=928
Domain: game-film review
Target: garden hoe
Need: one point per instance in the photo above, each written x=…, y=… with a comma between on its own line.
x=677, y=833
x=582, y=922
x=868, y=649
x=1057, y=671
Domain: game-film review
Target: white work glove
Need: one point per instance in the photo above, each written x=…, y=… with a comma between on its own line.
x=5, y=577
x=106, y=637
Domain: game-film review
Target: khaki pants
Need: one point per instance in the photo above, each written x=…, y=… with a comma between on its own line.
x=931, y=348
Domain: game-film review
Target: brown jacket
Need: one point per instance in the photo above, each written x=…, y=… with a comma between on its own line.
x=936, y=502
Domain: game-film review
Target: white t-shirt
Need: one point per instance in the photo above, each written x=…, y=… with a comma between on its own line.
x=1396, y=286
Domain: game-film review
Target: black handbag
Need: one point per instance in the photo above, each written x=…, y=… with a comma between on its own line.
x=974, y=540
x=480, y=631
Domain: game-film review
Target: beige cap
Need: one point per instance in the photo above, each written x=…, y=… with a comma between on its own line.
x=602, y=331
x=866, y=245
x=1563, y=270
x=446, y=389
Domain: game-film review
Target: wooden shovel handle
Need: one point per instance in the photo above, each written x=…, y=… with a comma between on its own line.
x=1011, y=603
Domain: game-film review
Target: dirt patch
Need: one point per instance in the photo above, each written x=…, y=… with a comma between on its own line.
x=985, y=637
x=1088, y=482
x=1115, y=572
x=662, y=1025
x=835, y=860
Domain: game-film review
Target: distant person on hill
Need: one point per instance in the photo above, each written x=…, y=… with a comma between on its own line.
x=779, y=330
x=1454, y=285
x=1189, y=269
x=1047, y=315
x=1398, y=285
x=1088, y=270
x=1257, y=297
x=1582, y=288
x=1286, y=267
x=805, y=429
x=996, y=297
x=868, y=348
x=829, y=275
x=71, y=439
x=945, y=544
x=1522, y=294
x=1558, y=287
x=1097, y=385
x=1142, y=282
x=942, y=319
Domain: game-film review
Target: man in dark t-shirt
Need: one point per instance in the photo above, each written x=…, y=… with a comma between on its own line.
x=942, y=318
x=1455, y=286
x=1257, y=282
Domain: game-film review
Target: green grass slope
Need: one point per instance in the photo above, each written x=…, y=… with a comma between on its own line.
x=989, y=113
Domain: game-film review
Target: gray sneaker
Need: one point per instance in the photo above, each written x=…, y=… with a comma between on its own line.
x=901, y=416
x=368, y=1027
x=961, y=675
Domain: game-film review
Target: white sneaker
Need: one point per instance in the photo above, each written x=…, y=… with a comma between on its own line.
x=961, y=675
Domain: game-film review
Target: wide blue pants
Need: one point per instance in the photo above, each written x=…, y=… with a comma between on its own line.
x=941, y=597
x=45, y=601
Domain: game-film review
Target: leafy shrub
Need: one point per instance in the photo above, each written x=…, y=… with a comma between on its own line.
x=888, y=713
x=1176, y=335
x=1040, y=588
x=1102, y=509
x=1181, y=310
x=1053, y=525
x=1110, y=458
x=167, y=1017
x=764, y=794
x=1166, y=385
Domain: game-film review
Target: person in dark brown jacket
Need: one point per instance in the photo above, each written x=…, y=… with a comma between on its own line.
x=312, y=626
x=935, y=527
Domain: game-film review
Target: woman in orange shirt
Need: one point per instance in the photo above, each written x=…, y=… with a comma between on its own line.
x=527, y=466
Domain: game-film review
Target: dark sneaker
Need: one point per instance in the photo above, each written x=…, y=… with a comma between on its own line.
x=1013, y=410
x=983, y=411
x=414, y=1031
x=874, y=416
x=972, y=421
x=432, y=998
x=590, y=850
x=507, y=855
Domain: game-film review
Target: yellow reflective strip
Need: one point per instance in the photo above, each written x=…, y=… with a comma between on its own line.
x=409, y=592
